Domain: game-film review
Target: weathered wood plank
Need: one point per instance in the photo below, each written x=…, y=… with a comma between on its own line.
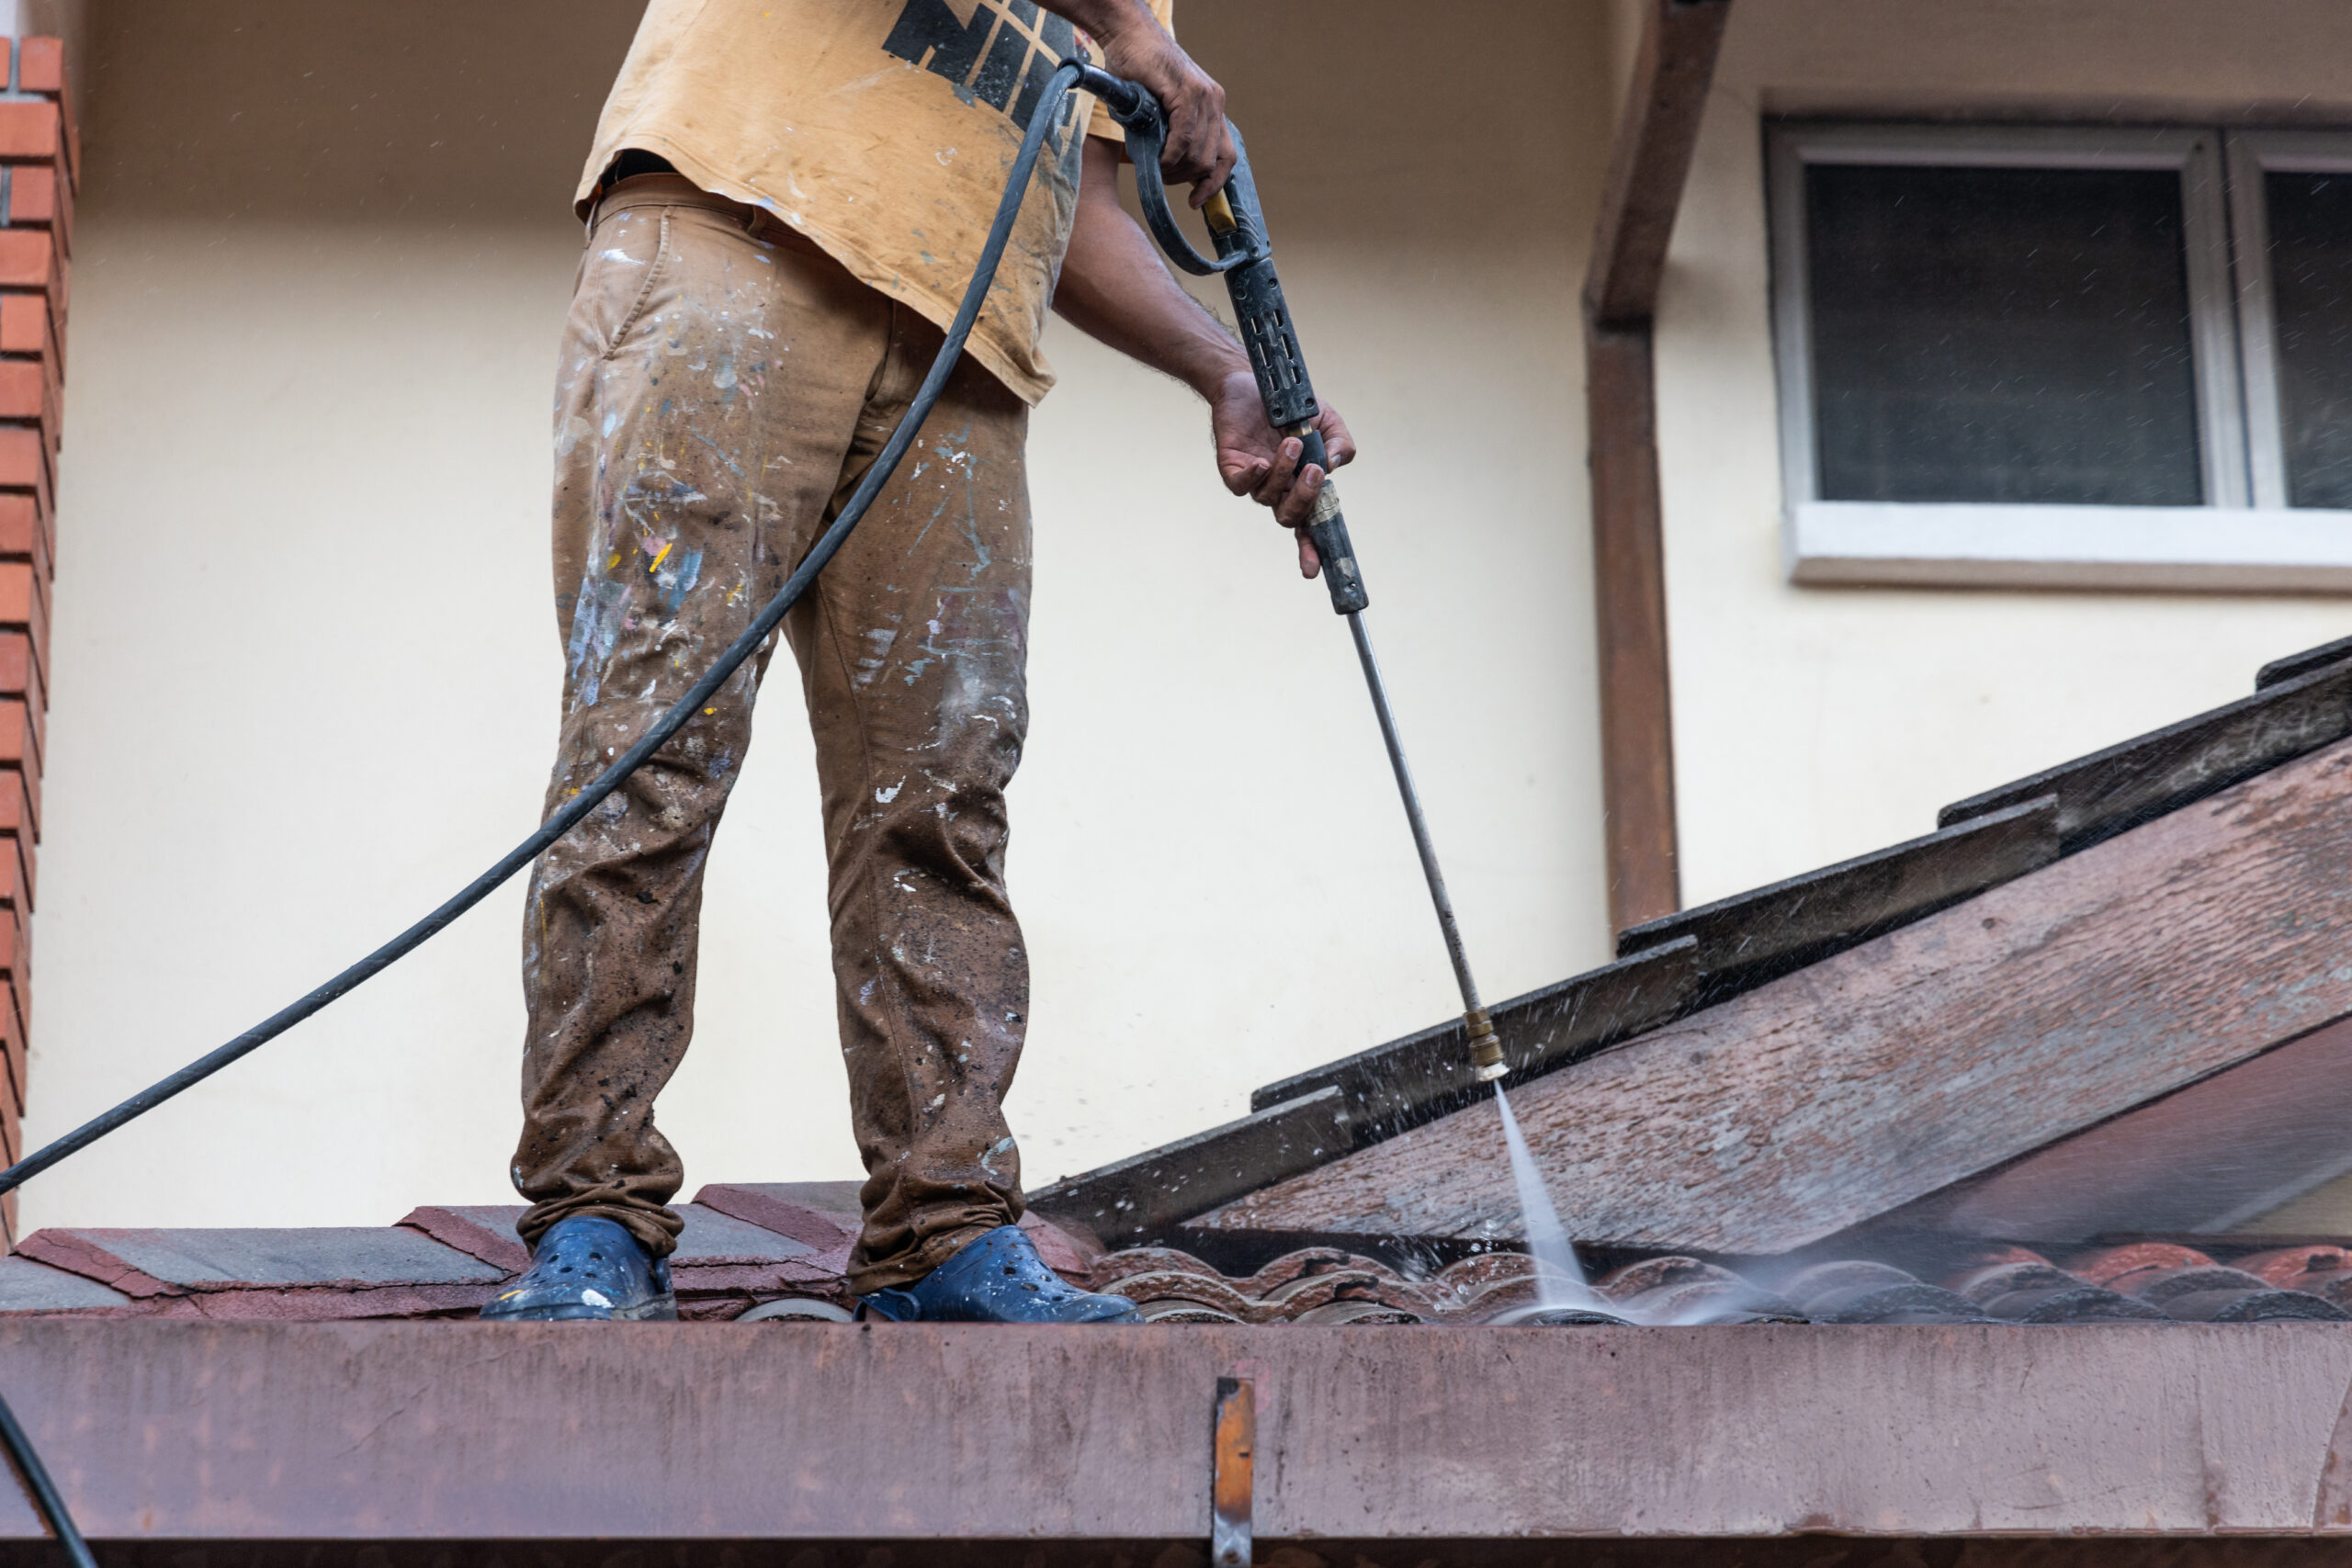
x=1918, y=1060
x=1145, y=1195
x=2205, y=1160
x=1422, y=1077
x=1752, y=937
x=2111, y=791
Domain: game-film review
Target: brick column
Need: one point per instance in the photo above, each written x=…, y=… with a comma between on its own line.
x=40, y=165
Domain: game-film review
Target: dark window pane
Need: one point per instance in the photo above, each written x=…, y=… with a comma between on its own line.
x=2002, y=334
x=2310, y=273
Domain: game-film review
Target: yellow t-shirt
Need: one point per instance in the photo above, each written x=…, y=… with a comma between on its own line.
x=883, y=129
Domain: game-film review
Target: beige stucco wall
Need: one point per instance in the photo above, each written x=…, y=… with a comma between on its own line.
x=1812, y=724
x=306, y=670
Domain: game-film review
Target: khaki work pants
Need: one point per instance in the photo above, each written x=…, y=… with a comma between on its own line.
x=724, y=386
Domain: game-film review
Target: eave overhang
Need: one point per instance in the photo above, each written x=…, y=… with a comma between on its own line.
x=413, y=1434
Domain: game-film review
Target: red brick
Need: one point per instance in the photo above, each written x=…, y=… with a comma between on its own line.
x=19, y=739
x=33, y=364
x=27, y=393
x=24, y=601
x=23, y=389
x=17, y=595
x=20, y=757
x=25, y=534
x=21, y=675
x=24, y=459
x=15, y=949
x=28, y=256
x=37, y=198
x=30, y=789
x=23, y=649
x=17, y=848
x=16, y=863
x=24, y=324
x=30, y=129
x=22, y=537
x=13, y=1013
x=41, y=65
x=12, y=1049
x=20, y=1000
x=40, y=68
x=16, y=818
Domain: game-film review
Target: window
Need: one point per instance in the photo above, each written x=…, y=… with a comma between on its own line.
x=2068, y=357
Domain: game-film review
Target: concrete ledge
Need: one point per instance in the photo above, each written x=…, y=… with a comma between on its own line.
x=162, y=1431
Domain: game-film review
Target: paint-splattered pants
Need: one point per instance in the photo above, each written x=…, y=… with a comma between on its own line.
x=724, y=386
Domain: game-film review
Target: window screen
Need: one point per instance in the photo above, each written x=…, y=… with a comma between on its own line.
x=2311, y=281
x=2005, y=335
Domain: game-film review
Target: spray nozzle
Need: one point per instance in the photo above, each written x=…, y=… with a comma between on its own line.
x=1486, y=1061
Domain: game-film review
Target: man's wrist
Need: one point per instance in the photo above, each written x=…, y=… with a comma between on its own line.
x=1215, y=372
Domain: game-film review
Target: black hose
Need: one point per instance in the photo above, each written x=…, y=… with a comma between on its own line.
x=44, y=1491
x=743, y=648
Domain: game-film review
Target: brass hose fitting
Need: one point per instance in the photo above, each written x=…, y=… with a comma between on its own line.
x=1486, y=1051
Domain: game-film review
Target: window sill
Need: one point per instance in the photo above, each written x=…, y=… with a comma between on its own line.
x=2191, y=549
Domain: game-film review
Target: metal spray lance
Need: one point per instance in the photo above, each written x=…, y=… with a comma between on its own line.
x=1245, y=260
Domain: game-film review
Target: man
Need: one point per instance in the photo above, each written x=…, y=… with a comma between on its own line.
x=785, y=202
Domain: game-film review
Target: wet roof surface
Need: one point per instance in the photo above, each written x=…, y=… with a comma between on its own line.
x=433, y=1265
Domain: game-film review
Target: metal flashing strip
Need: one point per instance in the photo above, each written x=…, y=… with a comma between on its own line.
x=1145, y=1195
x=1753, y=937
x=2139, y=780
x=1406, y=1082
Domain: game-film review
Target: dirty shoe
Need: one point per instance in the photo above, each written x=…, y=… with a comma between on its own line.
x=997, y=1277
x=587, y=1268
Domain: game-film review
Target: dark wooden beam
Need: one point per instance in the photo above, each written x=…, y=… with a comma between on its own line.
x=1647, y=169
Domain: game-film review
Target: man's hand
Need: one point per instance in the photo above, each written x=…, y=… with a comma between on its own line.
x=1260, y=462
x=1115, y=287
x=1199, y=152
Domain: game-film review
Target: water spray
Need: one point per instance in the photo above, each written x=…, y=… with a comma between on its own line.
x=1245, y=260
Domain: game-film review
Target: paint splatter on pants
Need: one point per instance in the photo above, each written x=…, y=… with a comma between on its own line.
x=724, y=386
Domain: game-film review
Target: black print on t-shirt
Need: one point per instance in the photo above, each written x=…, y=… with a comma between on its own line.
x=1008, y=46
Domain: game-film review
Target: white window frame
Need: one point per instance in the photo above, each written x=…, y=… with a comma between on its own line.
x=2251, y=155
x=2244, y=539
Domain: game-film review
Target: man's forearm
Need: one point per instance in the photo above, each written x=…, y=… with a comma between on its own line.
x=1115, y=288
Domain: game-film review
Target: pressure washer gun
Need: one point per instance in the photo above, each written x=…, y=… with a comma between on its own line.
x=1245, y=259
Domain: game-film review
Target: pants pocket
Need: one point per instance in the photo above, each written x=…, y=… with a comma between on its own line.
x=626, y=256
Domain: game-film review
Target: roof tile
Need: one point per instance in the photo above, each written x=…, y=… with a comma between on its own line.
x=30, y=1287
